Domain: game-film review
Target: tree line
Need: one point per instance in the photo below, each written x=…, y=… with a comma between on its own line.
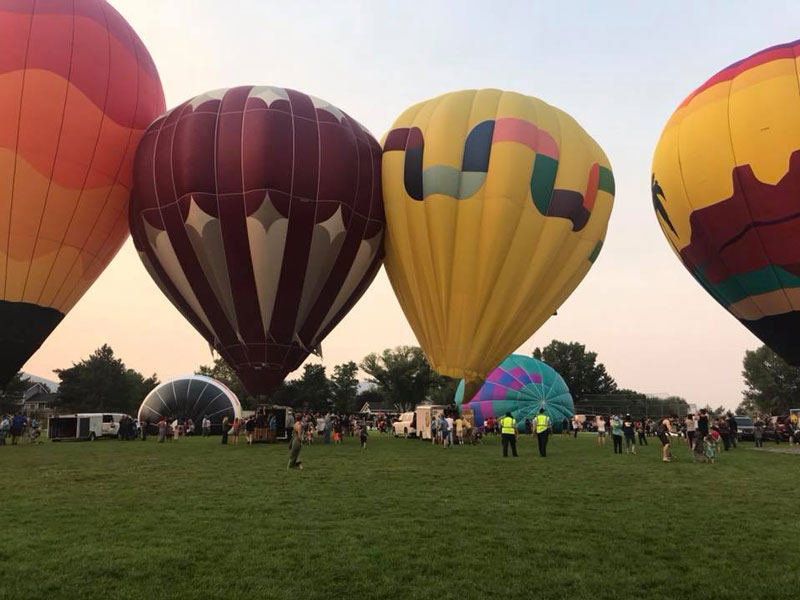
x=401, y=378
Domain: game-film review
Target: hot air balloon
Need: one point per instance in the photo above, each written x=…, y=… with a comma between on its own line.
x=521, y=385
x=496, y=207
x=258, y=212
x=77, y=90
x=726, y=191
x=190, y=397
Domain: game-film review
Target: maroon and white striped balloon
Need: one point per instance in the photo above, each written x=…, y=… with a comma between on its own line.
x=258, y=212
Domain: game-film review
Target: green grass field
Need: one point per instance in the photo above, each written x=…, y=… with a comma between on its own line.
x=403, y=519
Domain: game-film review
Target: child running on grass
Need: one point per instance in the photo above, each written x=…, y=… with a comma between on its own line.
x=710, y=448
x=716, y=440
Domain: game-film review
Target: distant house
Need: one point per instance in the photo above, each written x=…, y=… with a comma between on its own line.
x=375, y=406
x=37, y=400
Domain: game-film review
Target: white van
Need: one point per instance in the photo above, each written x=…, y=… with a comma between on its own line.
x=405, y=426
x=425, y=414
x=83, y=426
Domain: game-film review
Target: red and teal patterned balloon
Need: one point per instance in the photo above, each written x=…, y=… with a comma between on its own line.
x=521, y=385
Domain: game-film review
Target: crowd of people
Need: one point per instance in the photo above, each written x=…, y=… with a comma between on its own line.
x=172, y=428
x=447, y=431
x=705, y=435
x=16, y=427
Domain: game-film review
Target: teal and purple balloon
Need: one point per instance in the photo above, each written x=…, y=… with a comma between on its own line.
x=521, y=385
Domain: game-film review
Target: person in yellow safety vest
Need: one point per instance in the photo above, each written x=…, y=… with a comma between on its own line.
x=542, y=422
x=508, y=431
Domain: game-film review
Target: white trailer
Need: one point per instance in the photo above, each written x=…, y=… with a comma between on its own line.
x=425, y=414
x=83, y=426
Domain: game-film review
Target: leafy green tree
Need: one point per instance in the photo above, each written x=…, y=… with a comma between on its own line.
x=579, y=368
x=771, y=384
x=633, y=394
x=285, y=395
x=102, y=383
x=404, y=377
x=312, y=389
x=344, y=387
x=222, y=372
x=443, y=390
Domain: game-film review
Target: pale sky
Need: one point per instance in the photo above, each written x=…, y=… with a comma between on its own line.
x=619, y=68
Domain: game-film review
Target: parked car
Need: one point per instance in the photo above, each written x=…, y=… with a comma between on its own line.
x=776, y=426
x=405, y=425
x=746, y=428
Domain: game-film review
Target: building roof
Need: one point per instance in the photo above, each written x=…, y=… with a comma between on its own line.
x=379, y=406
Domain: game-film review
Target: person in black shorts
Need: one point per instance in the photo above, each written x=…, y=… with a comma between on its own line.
x=702, y=424
x=663, y=431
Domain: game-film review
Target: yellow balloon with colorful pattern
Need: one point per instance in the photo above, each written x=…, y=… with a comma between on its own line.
x=497, y=205
x=726, y=191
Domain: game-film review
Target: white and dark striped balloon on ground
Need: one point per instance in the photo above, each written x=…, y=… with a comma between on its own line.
x=258, y=212
x=190, y=397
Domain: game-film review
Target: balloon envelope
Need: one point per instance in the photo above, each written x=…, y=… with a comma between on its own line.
x=190, y=397
x=521, y=385
x=496, y=207
x=726, y=190
x=77, y=90
x=258, y=212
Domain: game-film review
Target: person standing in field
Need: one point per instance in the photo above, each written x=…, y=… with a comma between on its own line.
x=459, y=423
x=576, y=426
x=337, y=431
x=702, y=424
x=565, y=426
x=640, y=433
x=725, y=432
x=733, y=428
x=543, y=426
x=691, y=430
x=629, y=431
x=450, y=427
x=5, y=427
x=206, y=426
x=162, y=430
x=758, y=432
x=249, y=428
x=663, y=432
x=18, y=423
x=295, y=444
x=363, y=436
x=226, y=430
x=508, y=434
x=601, y=430
x=444, y=431
x=616, y=434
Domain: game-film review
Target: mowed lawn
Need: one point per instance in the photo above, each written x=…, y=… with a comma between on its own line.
x=403, y=519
